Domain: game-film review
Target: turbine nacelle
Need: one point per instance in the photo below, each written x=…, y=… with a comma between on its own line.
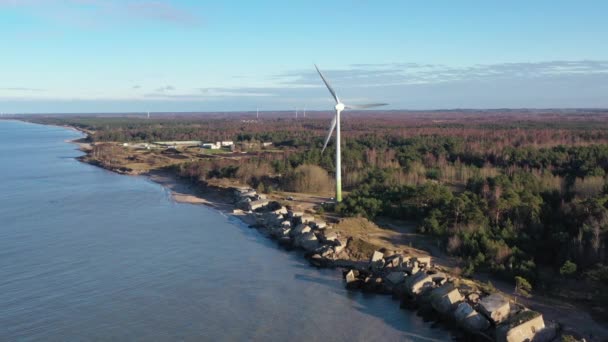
x=340, y=107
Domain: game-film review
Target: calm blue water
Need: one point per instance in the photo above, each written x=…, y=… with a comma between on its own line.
x=86, y=254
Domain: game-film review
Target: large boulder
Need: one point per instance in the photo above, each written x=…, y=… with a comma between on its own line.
x=340, y=245
x=446, y=298
x=307, y=218
x=329, y=237
x=251, y=194
x=470, y=319
x=319, y=224
x=440, y=278
x=285, y=241
x=300, y=229
x=308, y=241
x=473, y=297
x=395, y=278
x=372, y=284
x=280, y=211
x=273, y=205
x=423, y=261
x=393, y=261
x=326, y=251
x=352, y=280
x=255, y=205
x=376, y=262
x=243, y=204
x=521, y=327
x=496, y=307
x=318, y=260
x=417, y=283
x=411, y=267
x=294, y=214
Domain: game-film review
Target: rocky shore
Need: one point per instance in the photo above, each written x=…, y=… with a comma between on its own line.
x=413, y=280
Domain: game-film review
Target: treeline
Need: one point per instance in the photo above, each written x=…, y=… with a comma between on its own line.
x=508, y=224
x=259, y=174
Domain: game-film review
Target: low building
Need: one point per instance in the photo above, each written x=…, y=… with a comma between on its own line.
x=267, y=143
x=185, y=143
x=211, y=146
x=227, y=143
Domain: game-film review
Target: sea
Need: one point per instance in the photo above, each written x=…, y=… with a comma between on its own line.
x=89, y=255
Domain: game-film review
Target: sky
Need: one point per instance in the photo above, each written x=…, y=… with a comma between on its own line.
x=59, y=56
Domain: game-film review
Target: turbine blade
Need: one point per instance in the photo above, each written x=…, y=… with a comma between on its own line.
x=365, y=106
x=331, y=90
x=332, y=126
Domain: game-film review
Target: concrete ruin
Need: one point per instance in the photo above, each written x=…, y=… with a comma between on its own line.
x=446, y=298
x=524, y=326
x=417, y=283
x=423, y=261
x=496, y=307
x=257, y=204
x=393, y=273
x=376, y=261
x=470, y=319
x=395, y=278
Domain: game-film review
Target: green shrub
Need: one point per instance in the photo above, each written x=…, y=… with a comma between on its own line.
x=568, y=269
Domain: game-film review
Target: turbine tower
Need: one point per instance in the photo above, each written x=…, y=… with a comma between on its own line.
x=335, y=124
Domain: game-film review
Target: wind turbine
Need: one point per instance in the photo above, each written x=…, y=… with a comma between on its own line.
x=335, y=124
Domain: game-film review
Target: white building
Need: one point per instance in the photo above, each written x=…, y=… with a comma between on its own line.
x=227, y=143
x=211, y=146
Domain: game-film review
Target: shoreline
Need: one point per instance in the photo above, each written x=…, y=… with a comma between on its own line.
x=183, y=191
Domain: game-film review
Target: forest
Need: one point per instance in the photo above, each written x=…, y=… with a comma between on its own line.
x=514, y=192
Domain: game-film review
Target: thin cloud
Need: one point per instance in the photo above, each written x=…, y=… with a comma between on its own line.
x=22, y=89
x=162, y=11
x=212, y=93
x=165, y=89
x=93, y=13
x=370, y=75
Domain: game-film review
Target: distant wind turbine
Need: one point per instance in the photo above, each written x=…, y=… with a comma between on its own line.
x=335, y=124
x=257, y=113
x=304, y=111
x=148, y=115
